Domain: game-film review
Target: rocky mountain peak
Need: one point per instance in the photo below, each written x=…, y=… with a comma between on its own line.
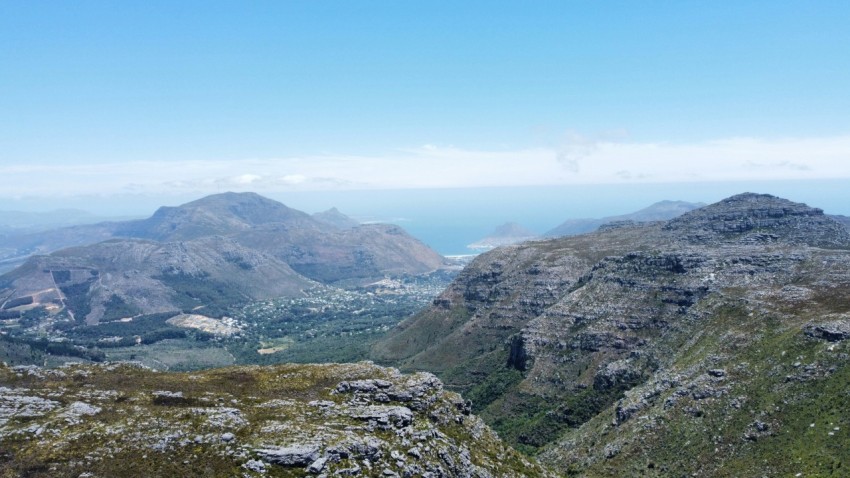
x=221, y=214
x=240, y=245
x=248, y=207
x=335, y=218
x=512, y=229
x=759, y=218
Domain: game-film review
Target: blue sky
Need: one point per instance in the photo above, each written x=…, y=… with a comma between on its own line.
x=169, y=99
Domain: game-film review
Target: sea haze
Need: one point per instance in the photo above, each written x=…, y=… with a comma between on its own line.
x=449, y=219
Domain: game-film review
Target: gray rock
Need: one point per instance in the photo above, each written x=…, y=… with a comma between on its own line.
x=705, y=392
x=611, y=450
x=832, y=331
x=77, y=410
x=397, y=416
x=351, y=471
x=317, y=466
x=760, y=218
x=296, y=455
x=616, y=374
x=16, y=402
x=255, y=465
x=367, y=386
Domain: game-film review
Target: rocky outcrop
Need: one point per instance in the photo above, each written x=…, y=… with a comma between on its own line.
x=760, y=218
x=832, y=330
x=291, y=420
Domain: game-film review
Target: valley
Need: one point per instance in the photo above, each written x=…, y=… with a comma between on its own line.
x=216, y=278
x=325, y=324
x=712, y=343
x=336, y=239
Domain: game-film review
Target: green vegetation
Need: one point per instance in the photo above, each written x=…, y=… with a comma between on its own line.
x=18, y=302
x=25, y=350
x=33, y=316
x=117, y=308
x=9, y=314
x=530, y=422
x=78, y=298
x=138, y=326
x=15, y=352
x=145, y=329
x=193, y=293
x=60, y=276
x=781, y=410
x=327, y=325
x=493, y=385
x=174, y=354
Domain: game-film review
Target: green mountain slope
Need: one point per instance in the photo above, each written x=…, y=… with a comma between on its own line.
x=640, y=349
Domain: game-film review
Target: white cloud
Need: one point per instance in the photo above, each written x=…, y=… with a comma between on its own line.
x=577, y=161
x=247, y=179
x=293, y=179
x=574, y=149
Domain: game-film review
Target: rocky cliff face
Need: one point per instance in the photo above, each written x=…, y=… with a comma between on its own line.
x=655, y=349
x=290, y=420
x=760, y=218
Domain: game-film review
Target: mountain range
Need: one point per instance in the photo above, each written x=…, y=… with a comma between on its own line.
x=22, y=222
x=205, y=254
x=660, y=211
x=712, y=344
x=715, y=343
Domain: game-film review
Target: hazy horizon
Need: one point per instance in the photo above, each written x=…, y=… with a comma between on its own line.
x=160, y=102
x=449, y=219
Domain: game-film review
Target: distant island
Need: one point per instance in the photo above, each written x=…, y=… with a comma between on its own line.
x=508, y=233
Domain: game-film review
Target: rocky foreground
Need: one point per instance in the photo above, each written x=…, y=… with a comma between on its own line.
x=289, y=420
